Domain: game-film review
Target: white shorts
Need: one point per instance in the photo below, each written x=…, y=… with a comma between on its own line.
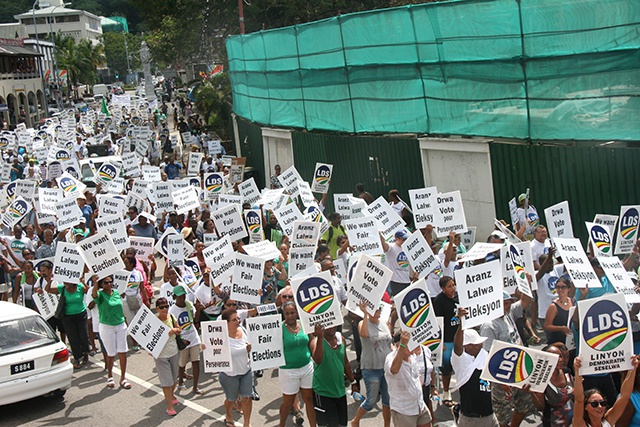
x=114, y=339
x=292, y=380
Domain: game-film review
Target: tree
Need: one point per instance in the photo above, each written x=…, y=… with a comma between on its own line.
x=213, y=100
x=80, y=60
x=115, y=53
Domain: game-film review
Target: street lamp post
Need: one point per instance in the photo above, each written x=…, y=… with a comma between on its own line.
x=55, y=58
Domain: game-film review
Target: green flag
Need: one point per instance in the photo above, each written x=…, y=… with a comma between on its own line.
x=105, y=109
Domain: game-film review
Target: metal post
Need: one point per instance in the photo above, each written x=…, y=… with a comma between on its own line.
x=126, y=52
x=55, y=57
x=241, y=12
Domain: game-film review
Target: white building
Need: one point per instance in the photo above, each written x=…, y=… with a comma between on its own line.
x=55, y=18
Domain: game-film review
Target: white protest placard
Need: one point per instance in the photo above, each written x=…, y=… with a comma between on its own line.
x=215, y=147
x=619, y=278
x=576, y=263
x=116, y=186
x=114, y=226
x=143, y=247
x=46, y=303
x=186, y=199
x=69, y=184
x=480, y=292
x=68, y=264
x=140, y=188
x=420, y=256
x=48, y=199
x=435, y=343
x=559, y=220
x=228, y=222
x=317, y=301
x=139, y=203
x=68, y=213
x=216, y=353
x=448, y=213
x=342, y=204
x=313, y=213
x=301, y=259
x=131, y=164
x=148, y=331
x=247, y=279
x=481, y=250
x=151, y=173
x=363, y=235
x=249, y=191
x=368, y=283
x=213, y=185
x=606, y=338
x=229, y=199
x=121, y=280
x=305, y=234
x=517, y=261
x=306, y=196
x=253, y=219
x=289, y=180
x=609, y=220
x=220, y=258
x=265, y=337
x=321, y=178
x=26, y=189
x=468, y=238
x=389, y=222
x=100, y=255
x=106, y=173
x=110, y=205
x=265, y=250
x=421, y=206
x=509, y=281
x=518, y=366
x=287, y=215
x=162, y=193
x=16, y=211
x=513, y=211
x=236, y=171
x=175, y=250
x=193, y=167
x=416, y=314
x=627, y=229
x=209, y=238
x=601, y=239
x=161, y=245
x=510, y=234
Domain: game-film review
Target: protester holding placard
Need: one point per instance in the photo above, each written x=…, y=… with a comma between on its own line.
x=113, y=329
x=167, y=365
x=239, y=381
x=556, y=403
x=557, y=317
x=590, y=408
x=330, y=363
x=398, y=205
x=376, y=340
x=330, y=237
x=210, y=296
x=297, y=374
x=589, y=292
x=528, y=218
x=397, y=261
x=272, y=274
x=445, y=305
x=24, y=286
x=74, y=319
x=284, y=260
x=45, y=269
x=133, y=295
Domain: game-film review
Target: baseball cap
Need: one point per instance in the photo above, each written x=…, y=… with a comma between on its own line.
x=471, y=336
x=521, y=197
x=499, y=235
x=179, y=290
x=402, y=234
x=506, y=296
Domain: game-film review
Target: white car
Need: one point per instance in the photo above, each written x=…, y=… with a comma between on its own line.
x=33, y=360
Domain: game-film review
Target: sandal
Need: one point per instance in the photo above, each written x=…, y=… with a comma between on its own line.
x=175, y=402
x=448, y=403
x=171, y=412
x=76, y=365
x=534, y=340
x=198, y=392
x=111, y=383
x=229, y=423
x=125, y=384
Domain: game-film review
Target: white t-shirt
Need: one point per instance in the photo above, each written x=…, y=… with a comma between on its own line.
x=239, y=355
x=397, y=261
x=205, y=295
x=531, y=221
x=405, y=389
x=185, y=323
x=546, y=293
x=17, y=246
x=539, y=248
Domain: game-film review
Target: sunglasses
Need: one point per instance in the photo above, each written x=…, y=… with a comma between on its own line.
x=595, y=404
x=287, y=296
x=107, y=282
x=162, y=307
x=562, y=287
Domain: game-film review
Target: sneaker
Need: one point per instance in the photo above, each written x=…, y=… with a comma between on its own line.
x=258, y=373
x=255, y=396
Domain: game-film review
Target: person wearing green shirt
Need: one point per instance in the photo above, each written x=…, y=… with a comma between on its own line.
x=330, y=237
x=113, y=329
x=75, y=319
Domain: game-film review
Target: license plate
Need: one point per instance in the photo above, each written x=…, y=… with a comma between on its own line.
x=22, y=367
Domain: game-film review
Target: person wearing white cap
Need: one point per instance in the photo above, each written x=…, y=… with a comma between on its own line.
x=528, y=218
x=468, y=360
x=511, y=405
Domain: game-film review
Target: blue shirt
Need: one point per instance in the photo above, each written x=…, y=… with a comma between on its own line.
x=172, y=170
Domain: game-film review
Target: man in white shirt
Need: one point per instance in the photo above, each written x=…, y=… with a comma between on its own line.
x=539, y=245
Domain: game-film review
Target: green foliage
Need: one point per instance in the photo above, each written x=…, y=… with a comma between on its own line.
x=79, y=59
x=213, y=100
x=115, y=53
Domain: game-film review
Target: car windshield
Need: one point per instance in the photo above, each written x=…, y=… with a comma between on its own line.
x=23, y=334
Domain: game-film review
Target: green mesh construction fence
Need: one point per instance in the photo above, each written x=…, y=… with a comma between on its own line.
x=539, y=69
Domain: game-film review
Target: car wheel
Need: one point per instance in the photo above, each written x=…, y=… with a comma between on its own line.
x=57, y=394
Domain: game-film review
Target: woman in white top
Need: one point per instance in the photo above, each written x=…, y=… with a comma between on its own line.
x=590, y=408
x=240, y=380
